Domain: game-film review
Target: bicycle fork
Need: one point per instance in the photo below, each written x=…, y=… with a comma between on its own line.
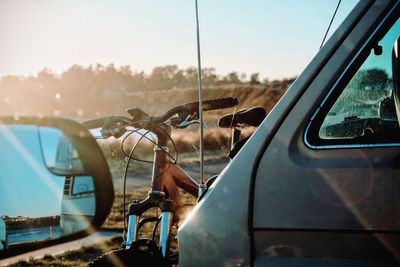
x=166, y=224
x=137, y=209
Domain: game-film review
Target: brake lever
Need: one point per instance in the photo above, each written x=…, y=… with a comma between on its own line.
x=113, y=128
x=116, y=132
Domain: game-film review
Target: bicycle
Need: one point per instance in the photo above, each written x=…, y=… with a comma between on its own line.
x=166, y=176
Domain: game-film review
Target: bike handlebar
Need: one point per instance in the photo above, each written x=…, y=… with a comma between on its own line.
x=193, y=108
x=143, y=120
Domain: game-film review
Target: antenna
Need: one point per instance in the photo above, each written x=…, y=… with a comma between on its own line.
x=330, y=24
x=202, y=185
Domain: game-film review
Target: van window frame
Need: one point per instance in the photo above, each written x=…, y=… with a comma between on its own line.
x=311, y=136
x=77, y=194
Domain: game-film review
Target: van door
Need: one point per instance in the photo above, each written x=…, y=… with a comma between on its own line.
x=327, y=186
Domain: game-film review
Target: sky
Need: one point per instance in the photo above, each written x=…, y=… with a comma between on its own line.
x=276, y=38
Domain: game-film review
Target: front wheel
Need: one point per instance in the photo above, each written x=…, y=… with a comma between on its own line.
x=143, y=253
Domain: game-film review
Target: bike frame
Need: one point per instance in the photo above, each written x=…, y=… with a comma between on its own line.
x=166, y=177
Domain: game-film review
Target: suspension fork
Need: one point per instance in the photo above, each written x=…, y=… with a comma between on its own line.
x=167, y=214
x=136, y=209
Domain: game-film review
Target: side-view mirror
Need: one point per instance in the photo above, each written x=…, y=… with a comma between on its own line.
x=55, y=185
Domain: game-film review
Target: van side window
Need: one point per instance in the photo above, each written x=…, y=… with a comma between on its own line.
x=82, y=185
x=364, y=112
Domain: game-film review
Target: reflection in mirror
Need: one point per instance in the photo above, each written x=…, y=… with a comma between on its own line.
x=77, y=207
x=38, y=204
x=62, y=160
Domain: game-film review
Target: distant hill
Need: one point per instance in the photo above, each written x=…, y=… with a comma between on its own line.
x=84, y=93
x=92, y=106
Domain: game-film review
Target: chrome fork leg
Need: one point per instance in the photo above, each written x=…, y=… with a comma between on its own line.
x=133, y=223
x=166, y=224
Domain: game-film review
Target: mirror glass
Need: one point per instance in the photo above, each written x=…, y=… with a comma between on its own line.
x=60, y=156
x=44, y=193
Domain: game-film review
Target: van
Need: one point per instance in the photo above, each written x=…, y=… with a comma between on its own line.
x=77, y=204
x=318, y=183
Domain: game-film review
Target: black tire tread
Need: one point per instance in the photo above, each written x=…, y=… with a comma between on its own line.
x=127, y=257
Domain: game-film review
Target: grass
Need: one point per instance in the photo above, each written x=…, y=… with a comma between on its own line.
x=78, y=257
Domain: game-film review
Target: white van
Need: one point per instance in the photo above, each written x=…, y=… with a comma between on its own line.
x=77, y=205
x=78, y=201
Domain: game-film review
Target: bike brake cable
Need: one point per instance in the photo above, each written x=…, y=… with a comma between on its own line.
x=175, y=158
x=124, y=182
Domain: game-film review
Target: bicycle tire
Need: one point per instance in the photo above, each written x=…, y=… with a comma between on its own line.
x=127, y=257
x=142, y=253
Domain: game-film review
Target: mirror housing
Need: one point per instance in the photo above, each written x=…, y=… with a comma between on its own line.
x=68, y=153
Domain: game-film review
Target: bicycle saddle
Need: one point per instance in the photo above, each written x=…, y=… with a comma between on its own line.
x=251, y=116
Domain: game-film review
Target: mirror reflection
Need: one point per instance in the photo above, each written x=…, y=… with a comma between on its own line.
x=43, y=194
x=62, y=160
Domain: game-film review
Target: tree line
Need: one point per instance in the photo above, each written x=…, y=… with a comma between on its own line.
x=99, y=90
x=110, y=79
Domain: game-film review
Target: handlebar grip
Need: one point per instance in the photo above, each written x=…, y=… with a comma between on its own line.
x=184, y=110
x=214, y=104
